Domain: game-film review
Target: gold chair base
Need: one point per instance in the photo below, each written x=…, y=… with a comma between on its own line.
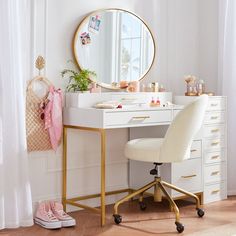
x=159, y=184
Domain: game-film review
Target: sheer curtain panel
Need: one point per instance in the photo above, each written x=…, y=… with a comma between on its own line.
x=227, y=78
x=15, y=192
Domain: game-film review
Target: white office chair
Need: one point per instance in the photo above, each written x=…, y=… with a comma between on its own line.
x=175, y=147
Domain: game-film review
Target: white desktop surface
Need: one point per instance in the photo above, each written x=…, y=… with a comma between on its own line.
x=129, y=116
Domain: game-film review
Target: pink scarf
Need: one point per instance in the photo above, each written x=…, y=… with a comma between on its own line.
x=53, y=116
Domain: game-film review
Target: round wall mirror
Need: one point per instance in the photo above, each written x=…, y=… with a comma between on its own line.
x=116, y=44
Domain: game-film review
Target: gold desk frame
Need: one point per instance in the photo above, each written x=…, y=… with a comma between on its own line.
x=103, y=193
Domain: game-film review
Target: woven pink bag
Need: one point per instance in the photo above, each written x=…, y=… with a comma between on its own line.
x=37, y=135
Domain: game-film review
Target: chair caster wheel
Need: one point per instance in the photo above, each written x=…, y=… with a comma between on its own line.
x=200, y=212
x=142, y=206
x=179, y=227
x=117, y=219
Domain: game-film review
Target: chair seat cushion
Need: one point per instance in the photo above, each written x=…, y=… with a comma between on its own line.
x=144, y=149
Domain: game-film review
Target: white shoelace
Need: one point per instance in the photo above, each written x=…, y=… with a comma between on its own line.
x=62, y=213
x=51, y=216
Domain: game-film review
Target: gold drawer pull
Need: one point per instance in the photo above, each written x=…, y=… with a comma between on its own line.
x=215, y=130
x=140, y=117
x=215, y=157
x=188, y=176
x=193, y=150
x=215, y=172
x=214, y=104
x=215, y=143
x=215, y=191
x=214, y=117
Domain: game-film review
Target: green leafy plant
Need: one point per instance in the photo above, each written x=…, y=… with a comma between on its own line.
x=78, y=80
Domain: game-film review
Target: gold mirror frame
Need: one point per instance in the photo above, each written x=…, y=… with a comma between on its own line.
x=87, y=17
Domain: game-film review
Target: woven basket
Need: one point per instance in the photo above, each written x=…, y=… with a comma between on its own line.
x=37, y=136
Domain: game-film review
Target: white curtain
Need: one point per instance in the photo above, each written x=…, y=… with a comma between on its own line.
x=227, y=78
x=15, y=192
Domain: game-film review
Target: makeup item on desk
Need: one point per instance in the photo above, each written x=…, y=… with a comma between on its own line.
x=158, y=103
x=155, y=103
x=162, y=88
x=114, y=85
x=143, y=88
x=133, y=86
x=155, y=87
x=148, y=88
x=123, y=84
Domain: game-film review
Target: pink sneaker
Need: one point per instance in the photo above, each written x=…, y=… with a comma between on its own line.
x=57, y=209
x=46, y=218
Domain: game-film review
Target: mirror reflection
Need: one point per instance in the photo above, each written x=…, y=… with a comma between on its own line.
x=116, y=44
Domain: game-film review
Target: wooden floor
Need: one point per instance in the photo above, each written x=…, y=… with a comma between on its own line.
x=219, y=220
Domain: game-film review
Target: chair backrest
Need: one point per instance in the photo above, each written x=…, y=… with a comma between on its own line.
x=179, y=136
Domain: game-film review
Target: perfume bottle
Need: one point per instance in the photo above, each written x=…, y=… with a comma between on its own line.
x=158, y=103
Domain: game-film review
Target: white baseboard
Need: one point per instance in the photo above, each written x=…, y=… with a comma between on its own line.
x=231, y=192
x=95, y=202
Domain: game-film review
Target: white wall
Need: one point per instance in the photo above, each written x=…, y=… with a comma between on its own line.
x=186, y=35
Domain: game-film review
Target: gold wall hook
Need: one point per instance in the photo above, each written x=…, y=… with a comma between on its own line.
x=40, y=63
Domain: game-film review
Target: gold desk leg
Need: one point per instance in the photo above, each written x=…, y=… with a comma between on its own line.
x=103, y=176
x=64, y=168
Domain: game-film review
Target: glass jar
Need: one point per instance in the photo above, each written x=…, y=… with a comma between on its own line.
x=200, y=87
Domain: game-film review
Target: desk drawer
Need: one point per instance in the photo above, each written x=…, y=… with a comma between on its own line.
x=214, y=157
x=214, y=173
x=188, y=175
x=135, y=118
x=214, y=117
x=215, y=192
x=213, y=144
x=213, y=131
x=196, y=149
x=216, y=104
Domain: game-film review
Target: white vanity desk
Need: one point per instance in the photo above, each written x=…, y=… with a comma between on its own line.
x=79, y=114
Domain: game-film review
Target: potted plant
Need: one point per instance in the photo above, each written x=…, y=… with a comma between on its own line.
x=78, y=80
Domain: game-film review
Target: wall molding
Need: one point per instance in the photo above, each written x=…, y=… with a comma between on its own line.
x=87, y=191
x=96, y=165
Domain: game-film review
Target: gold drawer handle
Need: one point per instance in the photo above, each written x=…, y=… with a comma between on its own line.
x=215, y=191
x=140, y=117
x=214, y=104
x=188, y=176
x=214, y=143
x=214, y=117
x=193, y=150
x=215, y=130
x=215, y=172
x=215, y=157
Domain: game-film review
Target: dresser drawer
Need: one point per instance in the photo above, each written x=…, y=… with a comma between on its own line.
x=214, y=157
x=214, y=117
x=213, y=131
x=215, y=173
x=215, y=192
x=214, y=144
x=216, y=104
x=187, y=175
x=196, y=149
x=134, y=118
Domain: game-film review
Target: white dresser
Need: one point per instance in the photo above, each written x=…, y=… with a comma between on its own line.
x=214, y=147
